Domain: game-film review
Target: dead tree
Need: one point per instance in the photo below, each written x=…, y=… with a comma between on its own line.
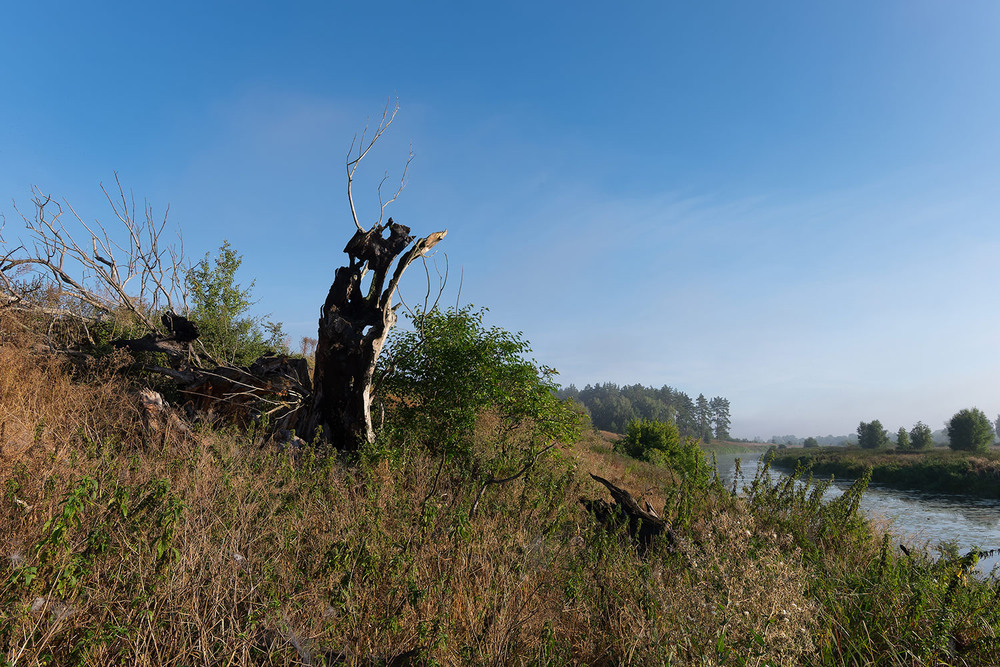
x=54, y=274
x=68, y=274
x=358, y=314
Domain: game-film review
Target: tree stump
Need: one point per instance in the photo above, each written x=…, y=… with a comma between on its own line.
x=642, y=524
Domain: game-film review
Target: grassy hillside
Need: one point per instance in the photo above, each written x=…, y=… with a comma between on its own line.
x=134, y=540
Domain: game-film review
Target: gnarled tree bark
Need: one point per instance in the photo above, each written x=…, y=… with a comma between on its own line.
x=354, y=323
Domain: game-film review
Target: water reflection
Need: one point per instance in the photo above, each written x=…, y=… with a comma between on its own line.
x=917, y=518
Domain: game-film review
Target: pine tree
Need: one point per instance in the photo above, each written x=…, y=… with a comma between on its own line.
x=719, y=408
x=704, y=417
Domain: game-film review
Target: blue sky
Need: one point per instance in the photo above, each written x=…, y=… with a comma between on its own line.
x=789, y=204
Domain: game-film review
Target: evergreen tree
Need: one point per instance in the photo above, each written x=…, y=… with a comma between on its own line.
x=704, y=417
x=687, y=420
x=612, y=408
x=719, y=409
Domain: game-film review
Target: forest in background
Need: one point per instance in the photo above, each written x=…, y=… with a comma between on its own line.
x=611, y=408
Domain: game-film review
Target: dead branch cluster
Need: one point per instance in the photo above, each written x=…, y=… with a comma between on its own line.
x=93, y=273
x=68, y=273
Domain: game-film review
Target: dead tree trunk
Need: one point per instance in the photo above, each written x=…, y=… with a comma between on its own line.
x=353, y=326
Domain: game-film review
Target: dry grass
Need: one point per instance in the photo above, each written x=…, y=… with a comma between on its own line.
x=44, y=411
x=213, y=548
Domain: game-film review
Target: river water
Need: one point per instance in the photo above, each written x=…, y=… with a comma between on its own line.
x=916, y=518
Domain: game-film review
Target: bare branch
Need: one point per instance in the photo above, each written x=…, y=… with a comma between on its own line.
x=442, y=280
x=363, y=148
x=98, y=276
x=419, y=249
x=493, y=480
x=402, y=184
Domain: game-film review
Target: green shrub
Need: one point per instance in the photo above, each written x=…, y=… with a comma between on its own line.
x=970, y=430
x=643, y=437
x=440, y=377
x=219, y=307
x=660, y=443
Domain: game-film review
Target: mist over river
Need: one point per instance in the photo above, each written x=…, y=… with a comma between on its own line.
x=916, y=518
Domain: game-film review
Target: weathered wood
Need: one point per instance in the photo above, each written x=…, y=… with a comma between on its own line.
x=153, y=343
x=158, y=416
x=275, y=385
x=353, y=326
x=643, y=525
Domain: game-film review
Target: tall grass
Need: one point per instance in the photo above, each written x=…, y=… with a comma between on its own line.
x=212, y=547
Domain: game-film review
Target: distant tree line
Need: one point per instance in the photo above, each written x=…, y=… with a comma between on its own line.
x=820, y=440
x=968, y=430
x=612, y=408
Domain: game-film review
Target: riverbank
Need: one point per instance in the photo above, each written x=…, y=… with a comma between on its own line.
x=729, y=447
x=934, y=471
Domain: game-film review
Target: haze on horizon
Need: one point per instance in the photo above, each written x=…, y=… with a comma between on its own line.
x=794, y=208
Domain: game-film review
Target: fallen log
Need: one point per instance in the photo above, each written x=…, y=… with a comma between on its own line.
x=644, y=526
x=274, y=385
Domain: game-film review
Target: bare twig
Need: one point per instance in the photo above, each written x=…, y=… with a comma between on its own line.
x=402, y=184
x=97, y=276
x=363, y=148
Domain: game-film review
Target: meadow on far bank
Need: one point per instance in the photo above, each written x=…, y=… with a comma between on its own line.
x=936, y=470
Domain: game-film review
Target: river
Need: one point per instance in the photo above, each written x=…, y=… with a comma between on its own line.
x=917, y=518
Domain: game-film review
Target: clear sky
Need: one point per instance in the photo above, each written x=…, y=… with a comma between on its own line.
x=790, y=204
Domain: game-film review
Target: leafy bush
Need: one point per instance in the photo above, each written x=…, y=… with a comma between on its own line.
x=970, y=430
x=440, y=377
x=659, y=443
x=643, y=437
x=219, y=307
